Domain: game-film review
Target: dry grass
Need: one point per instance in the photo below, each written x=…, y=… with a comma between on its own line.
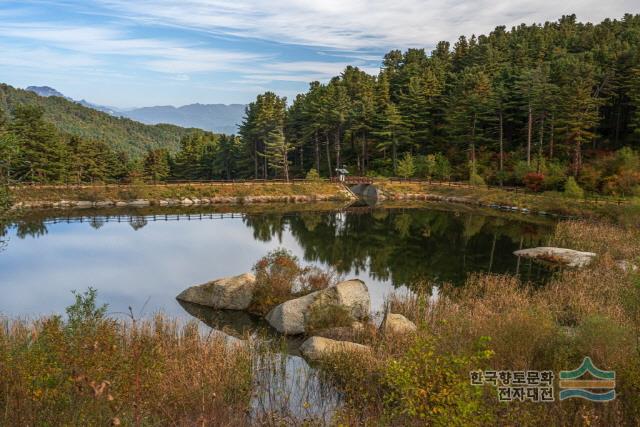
x=550, y=202
x=109, y=372
x=590, y=312
x=52, y=193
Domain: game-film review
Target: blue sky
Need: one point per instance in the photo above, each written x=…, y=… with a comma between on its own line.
x=130, y=53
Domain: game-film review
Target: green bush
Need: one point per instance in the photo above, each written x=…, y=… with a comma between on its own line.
x=477, y=180
x=406, y=166
x=434, y=388
x=313, y=175
x=572, y=189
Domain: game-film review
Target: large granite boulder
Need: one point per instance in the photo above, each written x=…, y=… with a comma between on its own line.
x=229, y=293
x=291, y=317
x=397, y=324
x=558, y=256
x=318, y=348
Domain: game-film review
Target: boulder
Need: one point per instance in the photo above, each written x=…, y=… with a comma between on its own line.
x=317, y=348
x=559, y=256
x=139, y=203
x=229, y=293
x=291, y=316
x=397, y=324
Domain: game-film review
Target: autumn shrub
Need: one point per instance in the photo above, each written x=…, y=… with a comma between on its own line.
x=534, y=181
x=280, y=277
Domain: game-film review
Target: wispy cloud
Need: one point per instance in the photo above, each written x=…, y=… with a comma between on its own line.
x=168, y=56
x=358, y=24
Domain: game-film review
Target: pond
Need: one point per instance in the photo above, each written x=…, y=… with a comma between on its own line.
x=143, y=258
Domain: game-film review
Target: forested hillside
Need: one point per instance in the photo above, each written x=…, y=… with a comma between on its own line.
x=532, y=105
x=119, y=134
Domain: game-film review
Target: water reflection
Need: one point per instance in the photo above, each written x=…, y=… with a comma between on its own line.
x=134, y=254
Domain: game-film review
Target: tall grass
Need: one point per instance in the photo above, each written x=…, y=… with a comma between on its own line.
x=499, y=322
x=93, y=370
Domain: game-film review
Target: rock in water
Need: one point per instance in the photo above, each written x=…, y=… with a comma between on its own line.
x=561, y=256
x=229, y=293
x=398, y=324
x=317, y=348
x=291, y=316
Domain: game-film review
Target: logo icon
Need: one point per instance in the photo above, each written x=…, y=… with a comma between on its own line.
x=603, y=381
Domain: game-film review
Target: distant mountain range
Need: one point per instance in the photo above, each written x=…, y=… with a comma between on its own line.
x=74, y=118
x=218, y=118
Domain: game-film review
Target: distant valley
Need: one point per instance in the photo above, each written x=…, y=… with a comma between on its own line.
x=218, y=118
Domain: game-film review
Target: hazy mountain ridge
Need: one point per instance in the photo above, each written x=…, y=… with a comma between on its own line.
x=218, y=118
x=73, y=118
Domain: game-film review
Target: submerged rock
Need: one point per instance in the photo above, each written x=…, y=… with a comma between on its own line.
x=229, y=293
x=560, y=256
x=397, y=324
x=291, y=317
x=317, y=348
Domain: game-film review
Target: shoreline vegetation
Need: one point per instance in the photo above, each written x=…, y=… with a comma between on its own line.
x=620, y=209
x=92, y=368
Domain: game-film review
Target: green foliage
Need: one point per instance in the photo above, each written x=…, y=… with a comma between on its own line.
x=406, y=166
x=84, y=312
x=434, y=388
x=572, y=189
x=324, y=316
x=313, y=175
x=156, y=165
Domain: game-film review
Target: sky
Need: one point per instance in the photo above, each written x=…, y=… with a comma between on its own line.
x=131, y=53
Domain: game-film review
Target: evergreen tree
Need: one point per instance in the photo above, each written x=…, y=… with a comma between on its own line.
x=156, y=165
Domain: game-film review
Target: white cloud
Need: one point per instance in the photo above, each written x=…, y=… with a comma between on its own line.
x=360, y=24
x=167, y=56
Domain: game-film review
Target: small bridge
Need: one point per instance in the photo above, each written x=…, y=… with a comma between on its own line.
x=361, y=186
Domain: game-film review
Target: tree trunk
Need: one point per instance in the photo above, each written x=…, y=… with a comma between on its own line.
x=540, y=143
x=529, y=131
x=473, y=143
x=394, y=153
x=285, y=161
x=338, y=148
x=551, y=137
x=264, y=165
x=577, y=156
x=255, y=158
x=329, y=157
x=501, y=132
x=317, y=153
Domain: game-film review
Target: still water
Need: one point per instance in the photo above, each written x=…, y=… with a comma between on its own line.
x=143, y=258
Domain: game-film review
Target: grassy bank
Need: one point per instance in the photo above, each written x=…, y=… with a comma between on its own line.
x=624, y=210
x=156, y=192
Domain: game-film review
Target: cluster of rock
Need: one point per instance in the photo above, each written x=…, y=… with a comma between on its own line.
x=293, y=316
x=185, y=201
